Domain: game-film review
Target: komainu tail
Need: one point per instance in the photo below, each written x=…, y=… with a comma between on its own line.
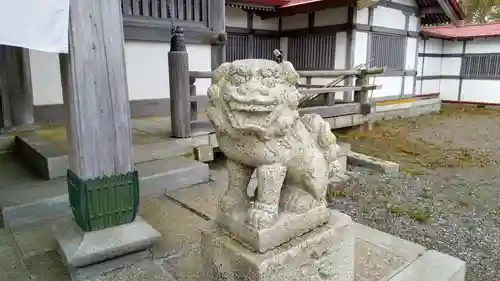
x=325, y=138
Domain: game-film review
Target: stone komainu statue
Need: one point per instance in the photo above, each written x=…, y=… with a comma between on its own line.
x=254, y=108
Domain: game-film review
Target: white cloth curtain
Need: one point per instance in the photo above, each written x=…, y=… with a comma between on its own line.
x=35, y=24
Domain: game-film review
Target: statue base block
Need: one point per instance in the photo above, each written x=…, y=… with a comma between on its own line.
x=289, y=226
x=323, y=254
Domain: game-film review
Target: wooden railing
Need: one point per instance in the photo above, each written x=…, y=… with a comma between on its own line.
x=359, y=105
x=183, y=10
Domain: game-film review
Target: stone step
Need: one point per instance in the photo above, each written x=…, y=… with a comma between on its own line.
x=47, y=158
x=6, y=143
x=156, y=178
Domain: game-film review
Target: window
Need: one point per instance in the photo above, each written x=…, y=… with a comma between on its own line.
x=237, y=47
x=313, y=52
x=388, y=51
x=264, y=46
x=481, y=66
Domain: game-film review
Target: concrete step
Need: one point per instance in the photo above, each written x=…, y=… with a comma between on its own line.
x=156, y=178
x=50, y=161
x=6, y=143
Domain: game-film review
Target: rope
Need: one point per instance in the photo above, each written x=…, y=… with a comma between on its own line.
x=169, y=15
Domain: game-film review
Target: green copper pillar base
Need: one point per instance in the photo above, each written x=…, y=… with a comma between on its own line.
x=103, y=202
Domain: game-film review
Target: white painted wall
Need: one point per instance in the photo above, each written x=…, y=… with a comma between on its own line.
x=394, y=19
x=429, y=66
x=389, y=18
x=481, y=91
x=147, y=71
x=236, y=17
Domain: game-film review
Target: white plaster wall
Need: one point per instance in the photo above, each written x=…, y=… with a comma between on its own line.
x=331, y=16
x=414, y=23
x=448, y=89
x=432, y=66
x=360, y=47
x=420, y=62
x=267, y=24
x=389, y=18
x=434, y=46
x=340, y=50
x=45, y=78
x=411, y=52
x=450, y=66
x=408, y=89
x=430, y=86
x=147, y=71
x=391, y=86
x=362, y=16
x=452, y=47
x=488, y=45
x=486, y=91
x=297, y=21
x=236, y=17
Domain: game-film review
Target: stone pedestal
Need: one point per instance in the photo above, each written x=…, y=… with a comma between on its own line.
x=323, y=254
x=81, y=249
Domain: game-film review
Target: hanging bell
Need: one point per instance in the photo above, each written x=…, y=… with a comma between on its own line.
x=177, y=42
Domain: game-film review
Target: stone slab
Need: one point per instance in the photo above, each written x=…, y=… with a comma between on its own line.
x=37, y=239
x=11, y=267
x=325, y=253
x=79, y=249
x=46, y=266
x=144, y=271
x=358, y=159
x=97, y=269
x=380, y=256
x=44, y=157
x=49, y=199
x=204, y=153
x=179, y=227
x=6, y=143
x=15, y=217
x=434, y=266
x=157, y=177
x=287, y=227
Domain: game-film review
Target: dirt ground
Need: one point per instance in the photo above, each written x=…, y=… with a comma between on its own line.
x=447, y=197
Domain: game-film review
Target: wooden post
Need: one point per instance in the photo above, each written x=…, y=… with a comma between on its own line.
x=178, y=65
x=361, y=96
x=96, y=97
x=17, y=97
x=218, y=24
x=192, y=94
x=4, y=97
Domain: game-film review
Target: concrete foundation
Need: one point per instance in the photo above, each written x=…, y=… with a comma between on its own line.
x=80, y=249
x=384, y=166
x=325, y=253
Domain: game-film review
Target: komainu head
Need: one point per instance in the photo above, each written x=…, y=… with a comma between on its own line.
x=253, y=93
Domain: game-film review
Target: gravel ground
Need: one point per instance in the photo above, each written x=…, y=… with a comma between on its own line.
x=446, y=197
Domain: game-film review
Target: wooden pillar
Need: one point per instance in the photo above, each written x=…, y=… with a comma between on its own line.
x=99, y=134
x=218, y=24
x=16, y=93
x=178, y=66
x=5, y=119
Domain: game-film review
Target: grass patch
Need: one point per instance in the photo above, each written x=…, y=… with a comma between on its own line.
x=393, y=141
x=420, y=214
x=413, y=171
x=337, y=194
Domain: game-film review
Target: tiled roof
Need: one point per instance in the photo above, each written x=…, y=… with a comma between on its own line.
x=454, y=10
x=292, y=3
x=463, y=32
